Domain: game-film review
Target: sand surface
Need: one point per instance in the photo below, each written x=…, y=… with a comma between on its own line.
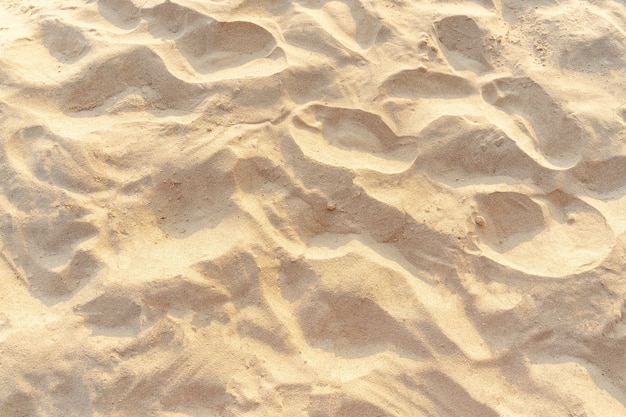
x=313, y=208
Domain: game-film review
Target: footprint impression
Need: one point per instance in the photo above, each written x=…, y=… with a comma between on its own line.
x=351, y=137
x=554, y=235
x=556, y=135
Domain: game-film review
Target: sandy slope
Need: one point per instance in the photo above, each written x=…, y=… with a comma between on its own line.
x=313, y=208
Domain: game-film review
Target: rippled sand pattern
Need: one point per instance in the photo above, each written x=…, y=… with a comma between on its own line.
x=347, y=208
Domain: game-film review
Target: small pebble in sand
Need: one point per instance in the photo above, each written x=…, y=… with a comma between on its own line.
x=331, y=206
x=480, y=221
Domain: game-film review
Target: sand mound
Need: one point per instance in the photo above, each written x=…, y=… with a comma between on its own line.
x=312, y=208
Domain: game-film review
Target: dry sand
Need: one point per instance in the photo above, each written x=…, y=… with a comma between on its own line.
x=313, y=208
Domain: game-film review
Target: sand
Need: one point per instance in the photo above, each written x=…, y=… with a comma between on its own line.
x=313, y=208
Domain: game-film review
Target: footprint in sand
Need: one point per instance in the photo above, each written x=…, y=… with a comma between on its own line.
x=351, y=137
x=603, y=178
x=453, y=147
x=420, y=83
x=215, y=45
x=463, y=43
x=170, y=20
x=347, y=20
x=555, y=235
x=556, y=135
x=64, y=42
x=122, y=13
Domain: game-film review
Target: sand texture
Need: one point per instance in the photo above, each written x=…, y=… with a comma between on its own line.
x=349, y=208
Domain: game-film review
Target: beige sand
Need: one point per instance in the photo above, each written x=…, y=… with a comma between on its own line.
x=313, y=208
